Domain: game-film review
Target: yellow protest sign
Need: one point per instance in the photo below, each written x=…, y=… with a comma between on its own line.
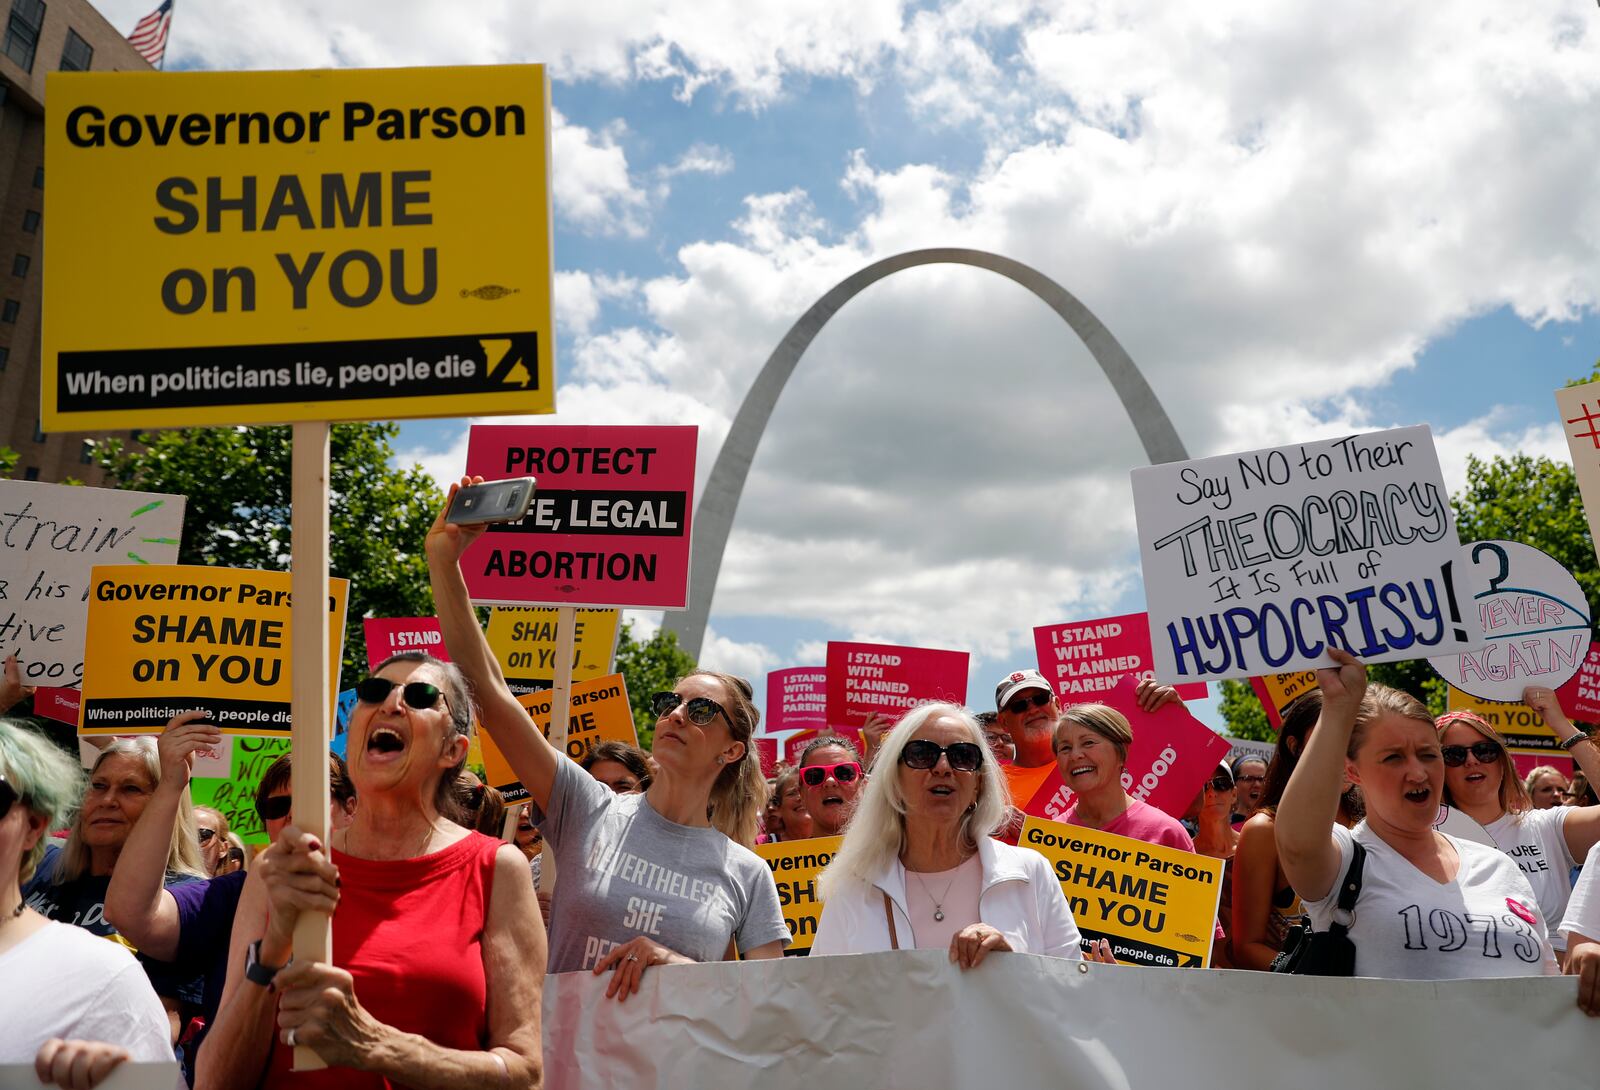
x=266, y=247
x=523, y=640
x=600, y=712
x=1156, y=905
x=1276, y=691
x=795, y=865
x=165, y=638
x=1523, y=728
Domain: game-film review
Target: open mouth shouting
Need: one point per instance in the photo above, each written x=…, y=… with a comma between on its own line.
x=1418, y=795
x=383, y=741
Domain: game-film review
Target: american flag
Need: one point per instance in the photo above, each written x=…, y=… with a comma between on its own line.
x=150, y=36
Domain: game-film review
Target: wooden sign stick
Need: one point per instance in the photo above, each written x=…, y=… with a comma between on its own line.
x=311, y=699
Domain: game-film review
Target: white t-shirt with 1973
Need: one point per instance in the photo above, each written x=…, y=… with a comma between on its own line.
x=1407, y=926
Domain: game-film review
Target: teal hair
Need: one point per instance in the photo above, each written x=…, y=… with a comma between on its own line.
x=47, y=781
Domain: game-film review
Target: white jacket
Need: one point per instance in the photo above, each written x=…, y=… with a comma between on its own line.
x=1020, y=898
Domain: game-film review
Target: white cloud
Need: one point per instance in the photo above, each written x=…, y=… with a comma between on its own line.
x=701, y=159
x=750, y=53
x=1272, y=210
x=746, y=660
x=592, y=186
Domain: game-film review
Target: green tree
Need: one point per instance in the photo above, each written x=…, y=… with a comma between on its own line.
x=1243, y=713
x=8, y=461
x=649, y=666
x=237, y=481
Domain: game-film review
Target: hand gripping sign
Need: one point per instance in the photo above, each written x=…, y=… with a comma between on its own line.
x=1256, y=563
x=610, y=519
x=1536, y=623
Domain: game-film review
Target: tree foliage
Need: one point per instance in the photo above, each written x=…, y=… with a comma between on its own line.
x=8, y=461
x=649, y=666
x=237, y=481
x=1243, y=712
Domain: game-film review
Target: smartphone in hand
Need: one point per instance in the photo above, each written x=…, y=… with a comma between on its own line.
x=491, y=501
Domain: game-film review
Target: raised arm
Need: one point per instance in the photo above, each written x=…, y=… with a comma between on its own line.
x=137, y=903
x=1255, y=876
x=1582, y=825
x=1310, y=803
x=524, y=746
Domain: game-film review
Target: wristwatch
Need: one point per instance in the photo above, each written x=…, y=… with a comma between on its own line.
x=258, y=973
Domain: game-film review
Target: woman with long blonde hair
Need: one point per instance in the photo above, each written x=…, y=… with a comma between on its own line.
x=659, y=878
x=70, y=883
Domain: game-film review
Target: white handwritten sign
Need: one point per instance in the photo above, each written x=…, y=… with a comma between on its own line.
x=1256, y=563
x=51, y=535
x=1535, y=620
x=1580, y=419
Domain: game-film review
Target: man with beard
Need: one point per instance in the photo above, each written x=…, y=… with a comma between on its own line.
x=1027, y=708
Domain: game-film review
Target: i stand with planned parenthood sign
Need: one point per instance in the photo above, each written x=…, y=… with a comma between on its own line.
x=1257, y=563
x=317, y=246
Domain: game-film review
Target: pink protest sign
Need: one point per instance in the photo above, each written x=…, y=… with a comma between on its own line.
x=1172, y=756
x=767, y=750
x=1086, y=658
x=1527, y=762
x=609, y=525
x=871, y=677
x=390, y=635
x=796, y=699
x=58, y=704
x=1580, y=697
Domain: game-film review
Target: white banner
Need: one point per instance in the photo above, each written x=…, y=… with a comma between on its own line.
x=912, y=1020
x=1255, y=563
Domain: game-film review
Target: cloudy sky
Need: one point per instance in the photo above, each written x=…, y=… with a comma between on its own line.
x=1300, y=219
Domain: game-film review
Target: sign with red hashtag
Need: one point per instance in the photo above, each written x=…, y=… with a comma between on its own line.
x=1580, y=419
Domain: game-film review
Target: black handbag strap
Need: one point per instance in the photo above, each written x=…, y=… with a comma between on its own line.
x=1351, y=890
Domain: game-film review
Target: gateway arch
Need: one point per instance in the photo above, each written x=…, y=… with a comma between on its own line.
x=713, y=517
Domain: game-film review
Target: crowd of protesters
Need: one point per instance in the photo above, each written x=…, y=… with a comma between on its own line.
x=163, y=938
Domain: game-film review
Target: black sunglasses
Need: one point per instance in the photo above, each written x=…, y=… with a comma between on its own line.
x=274, y=807
x=1221, y=783
x=418, y=694
x=8, y=796
x=1020, y=704
x=700, y=710
x=1485, y=751
x=923, y=754
x=206, y=835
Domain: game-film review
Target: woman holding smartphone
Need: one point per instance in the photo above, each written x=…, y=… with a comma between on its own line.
x=660, y=878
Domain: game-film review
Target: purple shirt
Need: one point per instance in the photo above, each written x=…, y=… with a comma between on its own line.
x=205, y=924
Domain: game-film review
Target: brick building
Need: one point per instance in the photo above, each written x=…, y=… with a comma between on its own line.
x=40, y=36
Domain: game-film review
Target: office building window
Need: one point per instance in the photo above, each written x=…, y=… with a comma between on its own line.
x=30, y=222
x=22, y=31
x=86, y=452
x=38, y=177
x=19, y=265
x=38, y=430
x=5, y=357
x=77, y=53
x=10, y=310
x=31, y=473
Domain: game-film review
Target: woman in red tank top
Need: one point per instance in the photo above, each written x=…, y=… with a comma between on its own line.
x=430, y=920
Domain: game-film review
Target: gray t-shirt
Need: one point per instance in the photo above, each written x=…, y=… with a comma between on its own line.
x=624, y=870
